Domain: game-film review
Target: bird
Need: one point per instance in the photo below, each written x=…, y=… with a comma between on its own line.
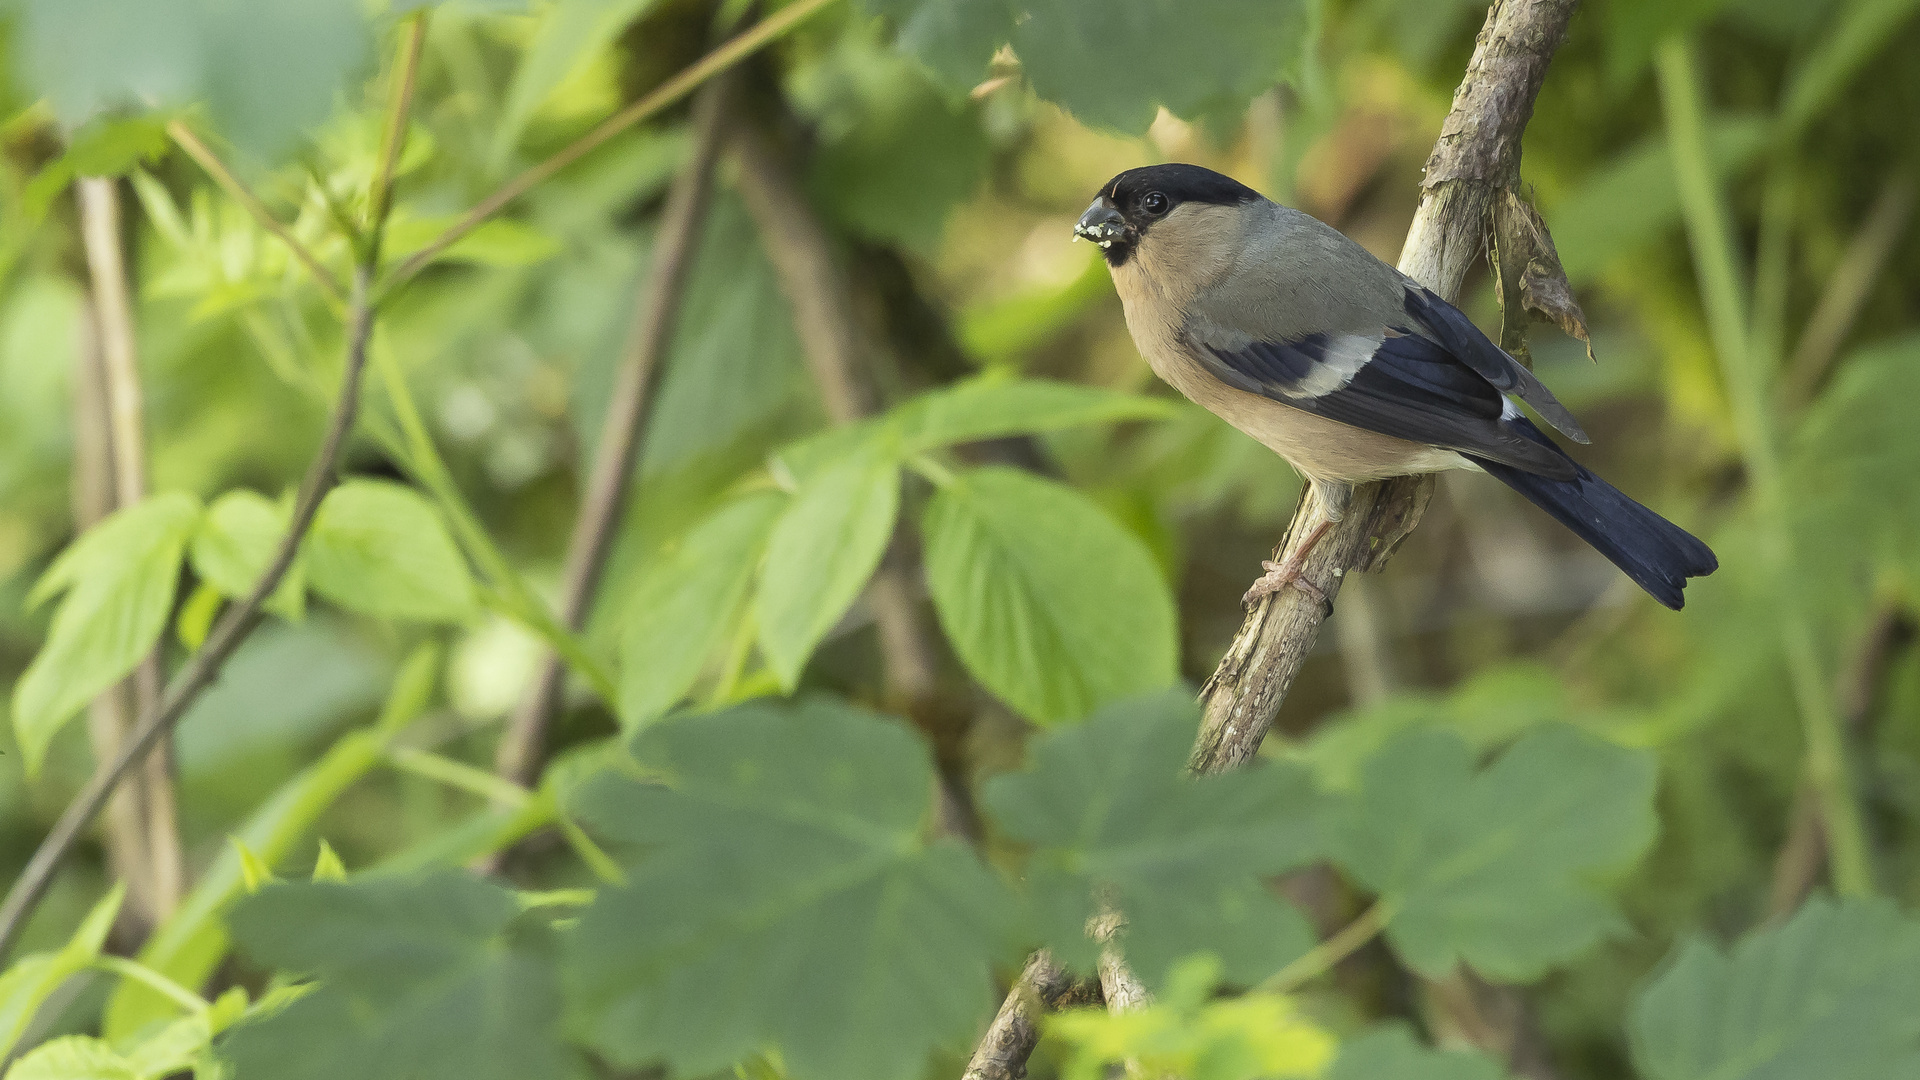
x=1349, y=369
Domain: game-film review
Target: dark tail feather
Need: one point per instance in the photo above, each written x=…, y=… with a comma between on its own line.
x=1657, y=554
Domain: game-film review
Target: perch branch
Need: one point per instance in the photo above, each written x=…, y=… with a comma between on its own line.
x=159, y=842
x=233, y=627
x=1477, y=155
x=720, y=59
x=623, y=431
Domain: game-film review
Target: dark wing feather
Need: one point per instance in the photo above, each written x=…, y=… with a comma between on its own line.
x=1410, y=387
x=1449, y=326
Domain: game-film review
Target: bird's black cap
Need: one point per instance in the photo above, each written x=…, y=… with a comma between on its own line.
x=1179, y=183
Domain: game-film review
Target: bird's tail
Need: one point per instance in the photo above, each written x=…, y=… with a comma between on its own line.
x=1657, y=554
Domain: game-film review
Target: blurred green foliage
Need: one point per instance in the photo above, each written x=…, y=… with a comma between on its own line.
x=1523, y=770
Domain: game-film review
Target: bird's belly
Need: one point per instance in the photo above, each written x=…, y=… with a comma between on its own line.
x=1318, y=448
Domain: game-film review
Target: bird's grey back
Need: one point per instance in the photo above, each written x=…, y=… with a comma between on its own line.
x=1295, y=275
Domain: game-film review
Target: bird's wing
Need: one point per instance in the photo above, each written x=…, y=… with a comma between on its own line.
x=1450, y=327
x=1395, y=382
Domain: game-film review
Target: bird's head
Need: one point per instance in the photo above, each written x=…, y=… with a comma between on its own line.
x=1133, y=204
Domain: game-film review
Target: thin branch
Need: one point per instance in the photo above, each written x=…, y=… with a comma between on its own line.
x=233, y=627
x=656, y=312
x=1323, y=957
x=822, y=300
x=198, y=151
x=113, y=308
x=1477, y=155
x=1802, y=858
x=111, y=714
x=680, y=85
x=1848, y=289
x=1003, y=1051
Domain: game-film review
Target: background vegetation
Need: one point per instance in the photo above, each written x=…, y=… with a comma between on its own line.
x=926, y=475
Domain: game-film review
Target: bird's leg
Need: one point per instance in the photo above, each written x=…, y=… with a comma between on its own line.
x=1334, y=499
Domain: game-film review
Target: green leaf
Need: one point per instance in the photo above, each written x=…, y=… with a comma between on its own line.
x=787, y=864
x=235, y=543
x=383, y=550
x=987, y=407
x=955, y=38
x=1191, y=1034
x=570, y=33
x=683, y=602
x=1112, y=62
x=1117, y=822
x=266, y=69
x=120, y=579
x=899, y=155
x=1390, y=1052
x=74, y=1057
x=33, y=978
x=433, y=978
x=498, y=242
x=825, y=546
x=104, y=147
x=1828, y=994
x=1051, y=604
x=1499, y=868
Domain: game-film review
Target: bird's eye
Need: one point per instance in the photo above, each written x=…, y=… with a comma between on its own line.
x=1154, y=203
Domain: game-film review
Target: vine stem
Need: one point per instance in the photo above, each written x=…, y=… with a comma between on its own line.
x=1748, y=376
x=1322, y=958
x=239, y=621
x=736, y=49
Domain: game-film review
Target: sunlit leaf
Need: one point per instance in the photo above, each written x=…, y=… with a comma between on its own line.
x=784, y=860
x=235, y=543
x=32, y=979
x=1116, y=823
x=382, y=549
x=824, y=547
x=683, y=601
x=992, y=408
x=1050, y=603
x=1190, y=1034
x=1500, y=867
x=74, y=1057
x=119, y=580
x=570, y=32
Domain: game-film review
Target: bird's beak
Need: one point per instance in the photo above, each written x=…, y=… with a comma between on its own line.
x=1101, y=224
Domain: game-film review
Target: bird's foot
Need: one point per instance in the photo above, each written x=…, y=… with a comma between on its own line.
x=1288, y=571
x=1278, y=576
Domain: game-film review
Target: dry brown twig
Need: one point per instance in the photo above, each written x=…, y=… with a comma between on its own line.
x=822, y=299
x=1476, y=159
x=153, y=841
x=239, y=620
x=656, y=311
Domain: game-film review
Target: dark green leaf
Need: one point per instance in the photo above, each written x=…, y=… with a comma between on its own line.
x=955, y=38
x=266, y=69
x=1390, y=1052
x=1500, y=867
x=1050, y=603
x=119, y=579
x=1111, y=62
x=1116, y=820
x=381, y=549
x=683, y=601
x=789, y=898
x=1829, y=994
x=825, y=546
x=428, y=978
